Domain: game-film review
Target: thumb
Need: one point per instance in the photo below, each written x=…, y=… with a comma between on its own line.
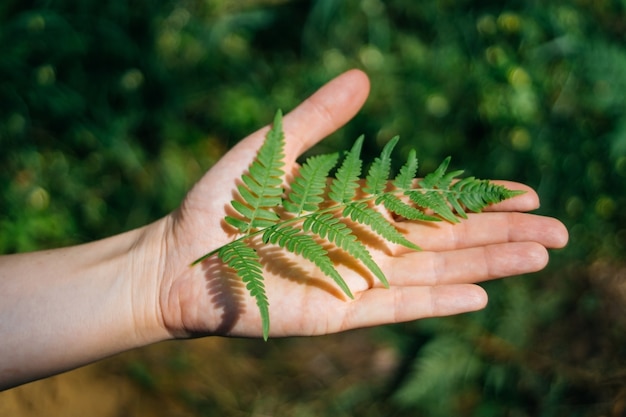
x=329, y=108
x=324, y=112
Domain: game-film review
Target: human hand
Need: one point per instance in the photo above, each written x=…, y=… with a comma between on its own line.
x=440, y=280
x=67, y=307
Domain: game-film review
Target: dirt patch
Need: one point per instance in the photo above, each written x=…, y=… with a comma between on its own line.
x=213, y=376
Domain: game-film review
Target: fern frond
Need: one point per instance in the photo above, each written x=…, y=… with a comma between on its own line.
x=263, y=184
x=297, y=221
x=307, y=188
x=326, y=226
x=343, y=187
x=378, y=174
x=360, y=212
x=246, y=263
x=291, y=239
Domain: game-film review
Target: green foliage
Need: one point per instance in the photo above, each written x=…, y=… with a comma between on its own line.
x=244, y=259
x=343, y=187
x=261, y=189
x=306, y=191
x=299, y=232
x=110, y=111
x=443, y=367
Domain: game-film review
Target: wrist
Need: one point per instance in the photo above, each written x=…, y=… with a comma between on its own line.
x=67, y=307
x=145, y=268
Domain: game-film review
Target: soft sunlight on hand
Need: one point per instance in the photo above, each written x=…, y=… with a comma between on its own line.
x=440, y=280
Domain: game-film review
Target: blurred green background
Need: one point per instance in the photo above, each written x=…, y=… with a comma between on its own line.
x=109, y=111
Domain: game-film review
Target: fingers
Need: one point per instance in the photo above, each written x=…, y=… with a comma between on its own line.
x=400, y=304
x=431, y=284
x=487, y=229
x=467, y=265
x=440, y=283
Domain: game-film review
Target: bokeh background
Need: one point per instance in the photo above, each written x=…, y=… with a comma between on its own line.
x=110, y=110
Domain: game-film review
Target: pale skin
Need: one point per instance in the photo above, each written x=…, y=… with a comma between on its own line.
x=64, y=308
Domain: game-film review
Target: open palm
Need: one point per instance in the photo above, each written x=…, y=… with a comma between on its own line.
x=210, y=299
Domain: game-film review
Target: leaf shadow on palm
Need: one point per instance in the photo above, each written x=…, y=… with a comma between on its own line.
x=296, y=269
x=226, y=291
x=293, y=268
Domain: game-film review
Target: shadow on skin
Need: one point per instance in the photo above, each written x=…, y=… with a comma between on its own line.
x=227, y=292
x=285, y=265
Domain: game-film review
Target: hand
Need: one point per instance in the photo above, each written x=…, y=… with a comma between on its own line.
x=440, y=280
x=64, y=308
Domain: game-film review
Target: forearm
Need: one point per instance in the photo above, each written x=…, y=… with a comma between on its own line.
x=64, y=308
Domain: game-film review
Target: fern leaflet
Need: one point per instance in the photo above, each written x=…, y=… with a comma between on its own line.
x=261, y=189
x=307, y=189
x=301, y=244
x=343, y=187
x=378, y=174
x=434, y=201
x=408, y=171
x=360, y=212
x=327, y=226
x=244, y=260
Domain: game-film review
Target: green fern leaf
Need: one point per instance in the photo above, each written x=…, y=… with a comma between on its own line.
x=434, y=201
x=246, y=263
x=376, y=180
x=343, y=187
x=434, y=195
x=297, y=221
x=477, y=194
x=360, y=212
x=290, y=238
x=307, y=189
x=236, y=223
x=406, y=175
x=326, y=226
x=395, y=205
x=263, y=184
x=439, y=178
